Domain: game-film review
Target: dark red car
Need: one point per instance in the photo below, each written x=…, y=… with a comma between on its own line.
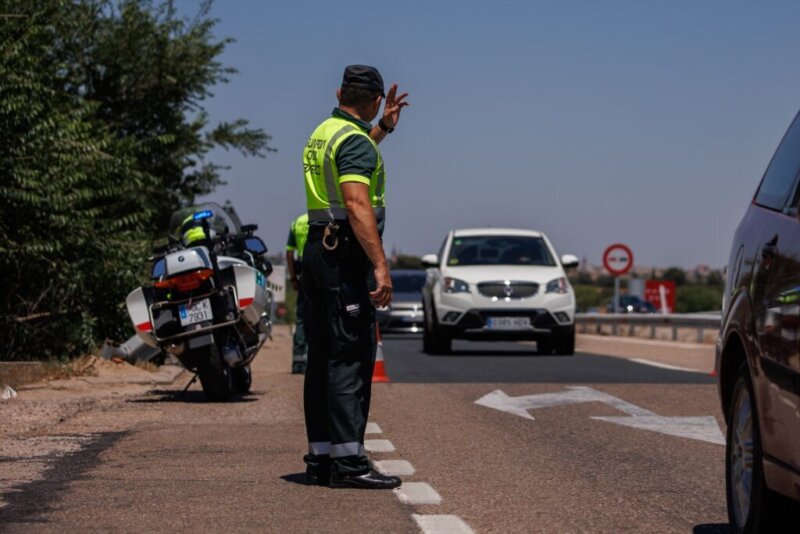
x=758, y=352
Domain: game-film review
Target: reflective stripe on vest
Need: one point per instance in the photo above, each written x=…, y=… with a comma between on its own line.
x=323, y=191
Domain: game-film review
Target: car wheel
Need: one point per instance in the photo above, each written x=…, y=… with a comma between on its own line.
x=433, y=340
x=752, y=507
x=565, y=343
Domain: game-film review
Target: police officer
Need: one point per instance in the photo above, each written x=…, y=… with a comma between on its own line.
x=298, y=233
x=345, y=180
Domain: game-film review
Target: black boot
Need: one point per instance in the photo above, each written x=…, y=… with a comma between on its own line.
x=370, y=480
x=317, y=477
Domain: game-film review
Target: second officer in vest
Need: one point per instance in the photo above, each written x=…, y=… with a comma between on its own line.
x=345, y=181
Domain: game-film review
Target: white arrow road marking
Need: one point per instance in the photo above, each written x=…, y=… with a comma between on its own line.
x=699, y=428
x=573, y=395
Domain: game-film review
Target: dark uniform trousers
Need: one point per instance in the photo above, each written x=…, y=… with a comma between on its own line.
x=340, y=327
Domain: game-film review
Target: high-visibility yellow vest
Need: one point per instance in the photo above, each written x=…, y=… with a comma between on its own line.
x=323, y=190
x=299, y=229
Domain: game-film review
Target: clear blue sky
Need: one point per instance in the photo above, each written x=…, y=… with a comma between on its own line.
x=644, y=122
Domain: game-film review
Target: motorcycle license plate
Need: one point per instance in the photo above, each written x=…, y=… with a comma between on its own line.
x=196, y=313
x=508, y=323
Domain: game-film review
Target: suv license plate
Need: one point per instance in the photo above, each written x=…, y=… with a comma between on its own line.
x=508, y=323
x=196, y=313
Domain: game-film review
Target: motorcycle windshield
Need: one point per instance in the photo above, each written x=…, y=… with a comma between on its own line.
x=223, y=221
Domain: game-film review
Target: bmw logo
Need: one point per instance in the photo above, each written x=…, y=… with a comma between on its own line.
x=181, y=258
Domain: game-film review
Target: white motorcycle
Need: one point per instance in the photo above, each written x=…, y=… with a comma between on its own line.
x=209, y=304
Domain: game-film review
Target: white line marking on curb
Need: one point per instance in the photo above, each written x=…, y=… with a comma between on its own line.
x=417, y=493
x=652, y=342
x=373, y=428
x=378, y=445
x=442, y=524
x=395, y=467
x=664, y=365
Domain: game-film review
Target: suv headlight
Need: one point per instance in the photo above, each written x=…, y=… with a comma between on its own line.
x=454, y=285
x=559, y=285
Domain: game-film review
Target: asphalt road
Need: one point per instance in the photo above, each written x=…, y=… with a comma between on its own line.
x=519, y=362
x=583, y=445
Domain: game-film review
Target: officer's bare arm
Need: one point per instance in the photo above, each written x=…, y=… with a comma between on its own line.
x=365, y=227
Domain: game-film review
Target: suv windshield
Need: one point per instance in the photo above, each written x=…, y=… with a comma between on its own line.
x=499, y=250
x=408, y=282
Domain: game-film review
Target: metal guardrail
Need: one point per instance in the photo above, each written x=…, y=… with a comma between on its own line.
x=699, y=321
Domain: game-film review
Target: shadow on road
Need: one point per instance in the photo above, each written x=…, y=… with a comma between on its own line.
x=712, y=528
x=296, y=478
x=28, y=502
x=191, y=397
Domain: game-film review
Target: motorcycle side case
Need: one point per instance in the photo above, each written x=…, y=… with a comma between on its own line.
x=254, y=297
x=139, y=312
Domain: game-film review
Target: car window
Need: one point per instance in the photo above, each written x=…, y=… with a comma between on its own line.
x=499, y=250
x=407, y=282
x=782, y=172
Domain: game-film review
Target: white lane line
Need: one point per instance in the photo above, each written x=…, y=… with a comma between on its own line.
x=373, y=428
x=378, y=445
x=441, y=524
x=664, y=365
x=395, y=467
x=417, y=493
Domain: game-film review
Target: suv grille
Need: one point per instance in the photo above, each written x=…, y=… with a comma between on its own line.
x=510, y=290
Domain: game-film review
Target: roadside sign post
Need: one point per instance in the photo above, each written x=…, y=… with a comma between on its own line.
x=618, y=260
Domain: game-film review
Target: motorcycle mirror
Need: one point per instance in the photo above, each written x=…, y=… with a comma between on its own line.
x=255, y=245
x=249, y=228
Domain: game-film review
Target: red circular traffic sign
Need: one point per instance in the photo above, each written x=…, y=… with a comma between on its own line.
x=618, y=259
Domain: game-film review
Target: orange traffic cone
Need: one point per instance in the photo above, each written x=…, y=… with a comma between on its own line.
x=379, y=373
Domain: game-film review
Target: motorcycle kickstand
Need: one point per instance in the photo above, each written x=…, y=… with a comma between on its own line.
x=192, y=381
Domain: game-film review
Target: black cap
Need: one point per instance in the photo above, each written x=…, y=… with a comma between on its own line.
x=363, y=77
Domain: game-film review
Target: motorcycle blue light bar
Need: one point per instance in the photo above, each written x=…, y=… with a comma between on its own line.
x=200, y=215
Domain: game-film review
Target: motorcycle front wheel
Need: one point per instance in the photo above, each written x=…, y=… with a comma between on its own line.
x=242, y=379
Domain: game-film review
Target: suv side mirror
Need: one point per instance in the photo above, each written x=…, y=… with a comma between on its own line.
x=569, y=261
x=430, y=260
x=255, y=246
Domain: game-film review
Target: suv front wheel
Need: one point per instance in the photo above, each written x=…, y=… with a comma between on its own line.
x=434, y=341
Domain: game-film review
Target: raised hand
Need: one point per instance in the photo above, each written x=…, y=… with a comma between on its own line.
x=392, y=107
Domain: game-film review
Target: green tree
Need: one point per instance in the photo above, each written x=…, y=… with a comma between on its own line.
x=406, y=261
x=102, y=134
x=150, y=70
x=72, y=226
x=675, y=274
x=698, y=298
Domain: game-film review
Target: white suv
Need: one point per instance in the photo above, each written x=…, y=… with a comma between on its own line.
x=498, y=284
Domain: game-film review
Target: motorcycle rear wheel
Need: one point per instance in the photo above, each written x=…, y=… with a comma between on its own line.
x=215, y=377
